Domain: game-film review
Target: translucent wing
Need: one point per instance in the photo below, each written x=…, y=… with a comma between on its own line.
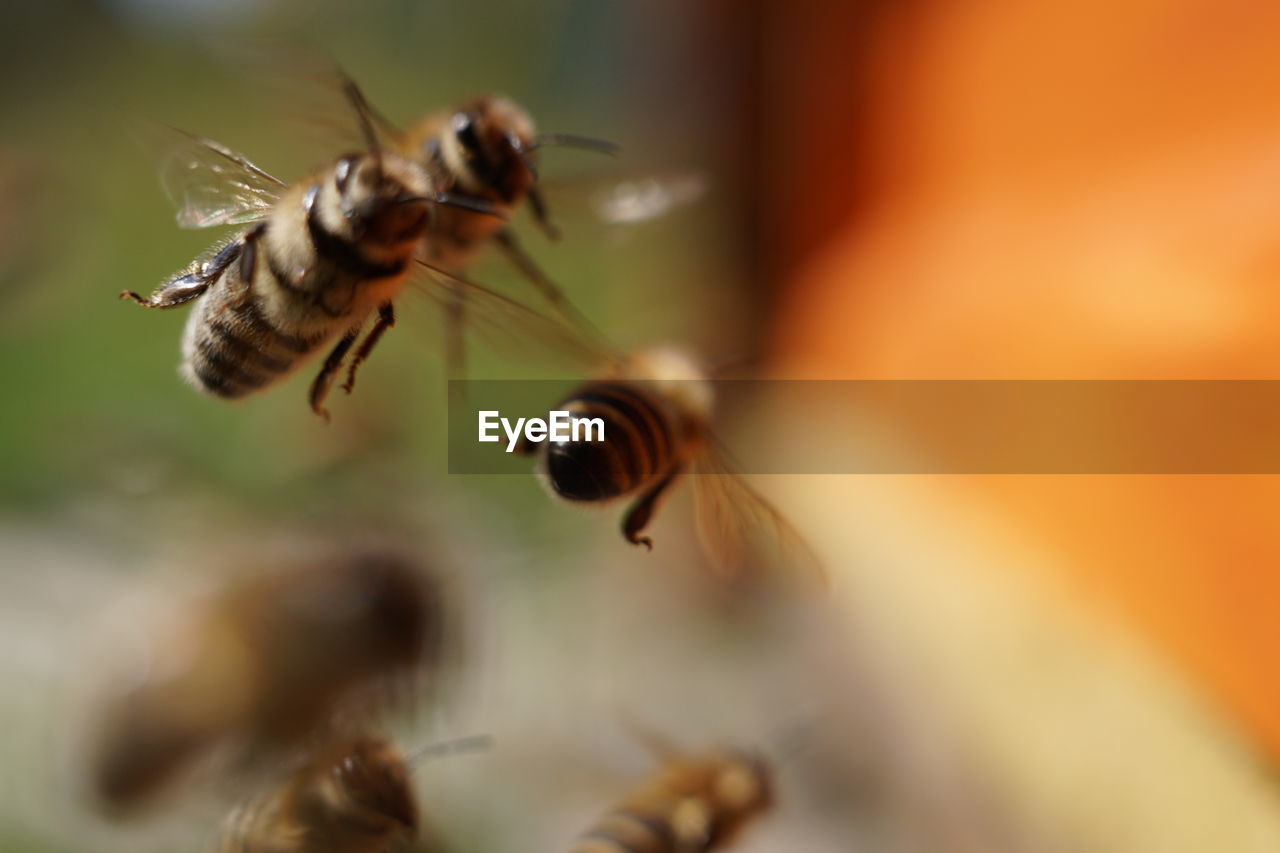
x=212, y=185
x=316, y=99
x=744, y=536
x=510, y=326
x=617, y=202
x=643, y=199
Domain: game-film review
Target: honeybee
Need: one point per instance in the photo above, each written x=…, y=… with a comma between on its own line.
x=694, y=802
x=355, y=796
x=263, y=662
x=321, y=255
x=484, y=149
x=656, y=407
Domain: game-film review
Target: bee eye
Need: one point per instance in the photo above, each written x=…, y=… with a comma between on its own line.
x=342, y=174
x=465, y=130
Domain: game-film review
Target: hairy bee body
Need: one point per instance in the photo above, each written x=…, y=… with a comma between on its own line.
x=641, y=443
x=286, y=287
x=354, y=797
x=329, y=251
x=264, y=662
x=694, y=803
x=483, y=149
x=655, y=406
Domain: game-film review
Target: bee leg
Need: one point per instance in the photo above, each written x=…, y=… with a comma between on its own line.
x=320, y=385
x=386, y=319
x=178, y=290
x=641, y=512
x=550, y=291
x=539, y=209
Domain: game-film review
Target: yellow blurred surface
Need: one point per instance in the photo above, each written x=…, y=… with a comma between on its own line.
x=1082, y=190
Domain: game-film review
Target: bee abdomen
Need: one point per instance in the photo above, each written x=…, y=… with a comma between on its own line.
x=232, y=349
x=628, y=832
x=637, y=445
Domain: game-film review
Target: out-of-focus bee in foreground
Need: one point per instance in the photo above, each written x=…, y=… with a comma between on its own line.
x=354, y=796
x=321, y=255
x=265, y=661
x=657, y=406
x=694, y=802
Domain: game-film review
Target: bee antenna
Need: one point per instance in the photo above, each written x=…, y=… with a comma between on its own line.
x=445, y=748
x=364, y=116
x=476, y=205
x=584, y=143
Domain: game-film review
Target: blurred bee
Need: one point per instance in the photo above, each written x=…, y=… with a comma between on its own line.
x=486, y=150
x=354, y=797
x=656, y=406
x=694, y=802
x=263, y=662
x=324, y=254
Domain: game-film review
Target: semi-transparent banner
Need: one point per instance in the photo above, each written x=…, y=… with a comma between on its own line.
x=913, y=427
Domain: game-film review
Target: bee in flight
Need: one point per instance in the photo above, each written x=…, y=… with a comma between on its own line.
x=694, y=803
x=354, y=796
x=484, y=149
x=320, y=256
x=263, y=662
x=656, y=407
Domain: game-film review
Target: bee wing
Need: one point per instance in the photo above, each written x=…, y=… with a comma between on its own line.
x=621, y=201
x=313, y=95
x=509, y=325
x=744, y=536
x=212, y=185
x=642, y=199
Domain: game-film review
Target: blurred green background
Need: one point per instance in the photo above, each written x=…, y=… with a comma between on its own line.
x=113, y=470
x=95, y=404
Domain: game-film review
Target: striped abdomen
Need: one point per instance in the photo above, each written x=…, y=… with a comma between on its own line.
x=231, y=347
x=638, y=445
x=629, y=831
x=352, y=798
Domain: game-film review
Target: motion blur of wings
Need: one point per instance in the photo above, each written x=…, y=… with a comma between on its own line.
x=743, y=535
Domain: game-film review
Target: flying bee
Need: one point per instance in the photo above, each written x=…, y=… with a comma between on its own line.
x=328, y=251
x=320, y=256
x=694, y=802
x=486, y=150
x=262, y=662
x=657, y=409
x=355, y=796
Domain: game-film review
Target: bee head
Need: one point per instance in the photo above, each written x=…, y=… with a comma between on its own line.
x=372, y=780
x=491, y=143
x=384, y=198
x=743, y=783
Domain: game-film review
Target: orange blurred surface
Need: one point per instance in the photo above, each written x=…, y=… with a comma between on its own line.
x=1060, y=190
